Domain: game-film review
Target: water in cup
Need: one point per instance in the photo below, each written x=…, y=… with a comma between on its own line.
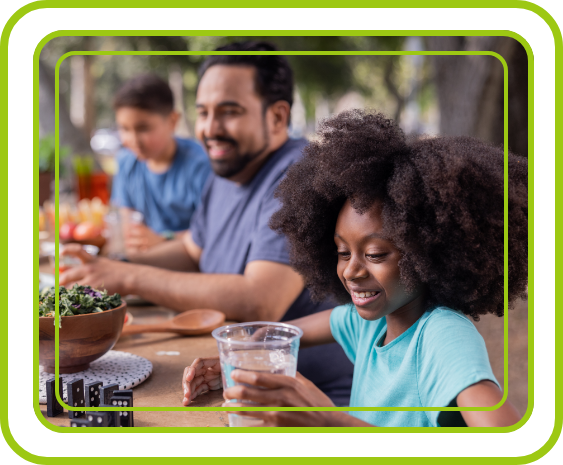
x=265, y=361
x=260, y=360
x=261, y=346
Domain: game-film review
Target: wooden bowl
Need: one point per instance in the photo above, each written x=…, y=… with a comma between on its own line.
x=82, y=339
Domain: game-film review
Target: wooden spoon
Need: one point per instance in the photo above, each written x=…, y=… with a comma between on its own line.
x=190, y=323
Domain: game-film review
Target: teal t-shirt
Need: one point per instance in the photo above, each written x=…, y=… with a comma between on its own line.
x=427, y=366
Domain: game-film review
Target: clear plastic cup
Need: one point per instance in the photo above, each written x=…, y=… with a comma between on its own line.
x=113, y=232
x=130, y=220
x=118, y=224
x=258, y=346
x=136, y=217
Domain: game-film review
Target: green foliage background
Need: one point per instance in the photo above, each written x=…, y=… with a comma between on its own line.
x=383, y=81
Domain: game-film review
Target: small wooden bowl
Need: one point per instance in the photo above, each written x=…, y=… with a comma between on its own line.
x=82, y=339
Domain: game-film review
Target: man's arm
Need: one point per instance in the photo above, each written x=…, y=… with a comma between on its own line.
x=264, y=292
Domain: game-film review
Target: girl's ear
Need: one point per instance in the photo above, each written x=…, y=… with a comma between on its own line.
x=279, y=112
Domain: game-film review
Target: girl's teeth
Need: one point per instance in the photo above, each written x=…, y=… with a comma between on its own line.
x=364, y=294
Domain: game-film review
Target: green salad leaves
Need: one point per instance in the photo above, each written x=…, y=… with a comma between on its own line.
x=76, y=301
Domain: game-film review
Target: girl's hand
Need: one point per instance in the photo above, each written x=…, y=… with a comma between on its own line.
x=140, y=238
x=280, y=391
x=203, y=375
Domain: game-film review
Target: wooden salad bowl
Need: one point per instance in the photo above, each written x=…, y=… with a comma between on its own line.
x=82, y=339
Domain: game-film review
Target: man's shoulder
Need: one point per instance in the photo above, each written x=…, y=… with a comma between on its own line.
x=293, y=149
x=290, y=153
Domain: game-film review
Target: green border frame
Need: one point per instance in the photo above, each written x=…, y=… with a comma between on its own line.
x=143, y=53
x=431, y=4
x=285, y=53
x=316, y=53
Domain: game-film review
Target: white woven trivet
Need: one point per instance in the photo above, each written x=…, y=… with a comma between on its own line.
x=122, y=368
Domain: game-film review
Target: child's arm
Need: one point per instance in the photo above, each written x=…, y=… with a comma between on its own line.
x=486, y=394
x=138, y=236
x=316, y=329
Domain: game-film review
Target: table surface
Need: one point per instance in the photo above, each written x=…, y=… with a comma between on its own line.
x=164, y=387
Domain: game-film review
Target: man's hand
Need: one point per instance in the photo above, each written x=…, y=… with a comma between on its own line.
x=203, y=375
x=140, y=238
x=100, y=273
x=269, y=390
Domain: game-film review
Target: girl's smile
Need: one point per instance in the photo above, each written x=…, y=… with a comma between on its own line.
x=362, y=298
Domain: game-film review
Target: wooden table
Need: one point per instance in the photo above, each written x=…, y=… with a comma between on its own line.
x=164, y=387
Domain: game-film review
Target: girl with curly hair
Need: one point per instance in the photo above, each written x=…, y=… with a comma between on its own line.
x=408, y=237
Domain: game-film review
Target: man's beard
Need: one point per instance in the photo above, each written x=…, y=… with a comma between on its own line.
x=229, y=168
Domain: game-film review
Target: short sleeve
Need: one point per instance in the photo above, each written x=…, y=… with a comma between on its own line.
x=345, y=327
x=267, y=244
x=119, y=192
x=198, y=223
x=451, y=357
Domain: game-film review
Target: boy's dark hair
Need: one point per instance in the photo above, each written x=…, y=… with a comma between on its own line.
x=443, y=206
x=274, y=77
x=147, y=92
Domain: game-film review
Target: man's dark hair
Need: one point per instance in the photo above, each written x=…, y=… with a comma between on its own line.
x=146, y=92
x=274, y=77
x=443, y=207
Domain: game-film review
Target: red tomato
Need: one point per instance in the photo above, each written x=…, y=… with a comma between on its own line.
x=66, y=231
x=86, y=230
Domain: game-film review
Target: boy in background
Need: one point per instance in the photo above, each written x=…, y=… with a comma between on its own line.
x=160, y=175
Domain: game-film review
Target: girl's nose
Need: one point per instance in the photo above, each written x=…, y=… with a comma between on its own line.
x=354, y=270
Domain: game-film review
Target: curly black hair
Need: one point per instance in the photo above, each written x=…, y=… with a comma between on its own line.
x=443, y=208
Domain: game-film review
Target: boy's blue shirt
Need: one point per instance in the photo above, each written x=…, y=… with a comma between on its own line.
x=427, y=366
x=167, y=200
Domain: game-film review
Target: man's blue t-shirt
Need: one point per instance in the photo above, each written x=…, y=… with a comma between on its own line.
x=167, y=200
x=231, y=226
x=427, y=366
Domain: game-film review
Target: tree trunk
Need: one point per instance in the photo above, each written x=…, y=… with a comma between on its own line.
x=68, y=133
x=471, y=93
x=176, y=83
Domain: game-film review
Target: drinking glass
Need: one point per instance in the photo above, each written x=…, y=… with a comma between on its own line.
x=258, y=346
